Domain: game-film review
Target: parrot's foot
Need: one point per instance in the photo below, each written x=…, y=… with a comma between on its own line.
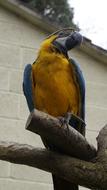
x=65, y=120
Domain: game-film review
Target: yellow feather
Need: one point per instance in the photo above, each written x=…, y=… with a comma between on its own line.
x=55, y=90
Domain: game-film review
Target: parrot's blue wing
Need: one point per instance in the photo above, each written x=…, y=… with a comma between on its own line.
x=27, y=86
x=81, y=84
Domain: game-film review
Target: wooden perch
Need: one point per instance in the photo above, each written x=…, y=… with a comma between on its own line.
x=65, y=138
x=85, y=173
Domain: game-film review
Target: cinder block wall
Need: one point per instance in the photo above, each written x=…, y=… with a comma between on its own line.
x=19, y=42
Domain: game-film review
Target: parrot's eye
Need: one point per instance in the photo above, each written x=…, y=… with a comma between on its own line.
x=61, y=34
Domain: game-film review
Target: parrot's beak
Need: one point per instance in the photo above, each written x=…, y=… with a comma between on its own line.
x=70, y=41
x=75, y=39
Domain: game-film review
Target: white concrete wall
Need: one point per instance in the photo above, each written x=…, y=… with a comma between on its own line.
x=19, y=42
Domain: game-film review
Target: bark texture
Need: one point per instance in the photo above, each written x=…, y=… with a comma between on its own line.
x=79, y=170
x=65, y=138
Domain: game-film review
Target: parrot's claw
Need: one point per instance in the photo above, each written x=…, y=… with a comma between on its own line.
x=65, y=120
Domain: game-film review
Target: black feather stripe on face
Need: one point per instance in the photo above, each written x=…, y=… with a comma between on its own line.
x=60, y=48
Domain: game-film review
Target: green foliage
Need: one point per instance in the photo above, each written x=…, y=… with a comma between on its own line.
x=56, y=11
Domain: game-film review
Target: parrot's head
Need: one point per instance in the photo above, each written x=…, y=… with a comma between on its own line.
x=68, y=40
x=63, y=41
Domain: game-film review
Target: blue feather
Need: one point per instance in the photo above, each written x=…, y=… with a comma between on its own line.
x=81, y=83
x=27, y=86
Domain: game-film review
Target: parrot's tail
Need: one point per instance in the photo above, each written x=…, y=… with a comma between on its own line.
x=61, y=184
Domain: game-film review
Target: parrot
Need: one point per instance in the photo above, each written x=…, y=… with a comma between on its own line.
x=55, y=84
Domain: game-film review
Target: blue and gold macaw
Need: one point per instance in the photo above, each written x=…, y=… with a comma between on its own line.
x=54, y=84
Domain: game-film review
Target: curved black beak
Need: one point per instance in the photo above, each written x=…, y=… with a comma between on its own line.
x=69, y=41
x=73, y=40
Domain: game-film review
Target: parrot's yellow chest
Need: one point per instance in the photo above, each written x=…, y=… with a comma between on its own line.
x=55, y=89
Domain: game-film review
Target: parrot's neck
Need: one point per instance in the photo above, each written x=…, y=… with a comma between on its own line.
x=52, y=46
x=53, y=58
x=60, y=49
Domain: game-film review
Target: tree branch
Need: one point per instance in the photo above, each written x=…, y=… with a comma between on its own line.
x=84, y=173
x=102, y=147
x=65, y=138
x=87, y=174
